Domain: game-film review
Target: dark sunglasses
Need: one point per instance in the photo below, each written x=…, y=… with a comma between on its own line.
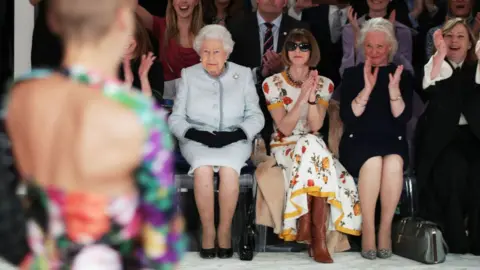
x=292, y=46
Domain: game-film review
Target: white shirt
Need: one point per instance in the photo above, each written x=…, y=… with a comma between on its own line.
x=446, y=72
x=263, y=29
x=332, y=13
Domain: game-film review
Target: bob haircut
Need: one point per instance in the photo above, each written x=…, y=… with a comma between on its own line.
x=302, y=35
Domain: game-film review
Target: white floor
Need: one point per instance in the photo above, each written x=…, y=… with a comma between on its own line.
x=300, y=261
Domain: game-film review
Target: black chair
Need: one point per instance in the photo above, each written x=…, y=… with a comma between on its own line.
x=184, y=184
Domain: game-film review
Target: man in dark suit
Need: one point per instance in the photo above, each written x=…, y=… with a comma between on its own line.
x=259, y=38
x=326, y=23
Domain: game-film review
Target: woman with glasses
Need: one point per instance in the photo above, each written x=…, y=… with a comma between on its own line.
x=320, y=192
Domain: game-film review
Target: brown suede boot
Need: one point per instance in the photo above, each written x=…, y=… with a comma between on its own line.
x=304, y=224
x=319, y=249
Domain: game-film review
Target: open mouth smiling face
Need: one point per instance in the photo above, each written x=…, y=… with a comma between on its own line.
x=184, y=8
x=460, y=8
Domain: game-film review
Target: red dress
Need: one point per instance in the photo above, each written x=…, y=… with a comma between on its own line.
x=175, y=57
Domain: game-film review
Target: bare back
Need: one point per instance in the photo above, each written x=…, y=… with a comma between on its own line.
x=72, y=137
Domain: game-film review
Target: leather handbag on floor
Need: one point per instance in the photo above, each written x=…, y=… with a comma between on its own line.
x=419, y=240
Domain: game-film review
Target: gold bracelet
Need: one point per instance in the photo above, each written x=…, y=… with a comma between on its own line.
x=358, y=103
x=396, y=99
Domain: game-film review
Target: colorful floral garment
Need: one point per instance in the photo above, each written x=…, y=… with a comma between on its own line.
x=88, y=232
x=308, y=166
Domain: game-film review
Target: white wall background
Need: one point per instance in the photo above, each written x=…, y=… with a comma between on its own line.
x=23, y=29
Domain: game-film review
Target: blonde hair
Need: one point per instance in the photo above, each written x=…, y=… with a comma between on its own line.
x=172, y=31
x=450, y=24
x=85, y=20
x=380, y=25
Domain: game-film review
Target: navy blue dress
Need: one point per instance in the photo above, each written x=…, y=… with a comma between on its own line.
x=376, y=132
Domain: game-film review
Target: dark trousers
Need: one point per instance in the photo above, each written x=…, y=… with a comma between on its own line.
x=454, y=190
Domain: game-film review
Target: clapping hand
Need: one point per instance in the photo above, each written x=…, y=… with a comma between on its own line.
x=308, y=87
x=353, y=20
x=273, y=61
x=394, y=84
x=303, y=4
x=145, y=65
x=476, y=24
x=439, y=43
x=369, y=77
x=393, y=16
x=477, y=50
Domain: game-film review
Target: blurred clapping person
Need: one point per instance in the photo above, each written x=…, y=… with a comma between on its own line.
x=220, y=11
x=175, y=34
x=95, y=157
x=449, y=138
x=455, y=9
x=353, y=54
x=375, y=106
x=139, y=66
x=215, y=118
x=319, y=189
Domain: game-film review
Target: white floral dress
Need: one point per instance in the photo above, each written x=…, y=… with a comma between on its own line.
x=308, y=166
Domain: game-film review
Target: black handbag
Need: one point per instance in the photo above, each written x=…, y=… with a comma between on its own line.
x=417, y=239
x=246, y=245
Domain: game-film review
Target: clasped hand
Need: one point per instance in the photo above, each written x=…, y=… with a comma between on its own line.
x=216, y=139
x=309, y=88
x=370, y=79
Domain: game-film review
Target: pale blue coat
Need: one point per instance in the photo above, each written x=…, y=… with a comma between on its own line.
x=222, y=103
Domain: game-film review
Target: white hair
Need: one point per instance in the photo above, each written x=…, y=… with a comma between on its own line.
x=380, y=25
x=214, y=31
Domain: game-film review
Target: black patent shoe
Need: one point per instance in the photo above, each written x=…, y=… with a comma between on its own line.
x=225, y=253
x=208, y=253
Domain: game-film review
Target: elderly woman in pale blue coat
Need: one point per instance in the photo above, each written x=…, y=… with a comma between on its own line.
x=215, y=117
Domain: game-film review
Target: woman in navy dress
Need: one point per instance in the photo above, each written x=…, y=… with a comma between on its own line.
x=375, y=106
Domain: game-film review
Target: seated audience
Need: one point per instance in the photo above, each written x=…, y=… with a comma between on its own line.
x=375, y=106
x=259, y=37
x=353, y=55
x=216, y=117
x=221, y=11
x=449, y=138
x=175, y=33
x=95, y=156
x=139, y=68
x=456, y=8
x=316, y=183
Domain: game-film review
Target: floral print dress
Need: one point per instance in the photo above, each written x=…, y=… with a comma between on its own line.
x=308, y=166
x=82, y=231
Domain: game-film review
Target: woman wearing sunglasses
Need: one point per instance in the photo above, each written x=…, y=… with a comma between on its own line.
x=320, y=193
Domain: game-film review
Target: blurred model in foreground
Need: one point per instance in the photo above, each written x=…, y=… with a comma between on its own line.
x=96, y=157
